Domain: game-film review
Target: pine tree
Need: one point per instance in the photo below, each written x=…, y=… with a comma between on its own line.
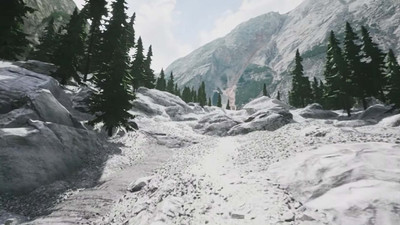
x=176, y=90
x=194, y=95
x=209, y=102
x=150, y=79
x=265, y=92
x=300, y=94
x=317, y=91
x=171, y=84
x=13, y=42
x=352, y=56
x=112, y=102
x=202, y=97
x=161, y=83
x=187, y=95
x=48, y=43
x=219, y=102
x=131, y=32
x=393, y=76
x=337, y=79
x=94, y=10
x=374, y=69
x=228, y=106
x=70, y=52
x=138, y=66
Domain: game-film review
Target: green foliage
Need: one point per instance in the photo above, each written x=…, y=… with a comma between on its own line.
x=187, y=95
x=171, y=84
x=113, y=100
x=161, y=83
x=48, y=43
x=374, y=66
x=219, y=102
x=201, y=95
x=301, y=92
x=138, y=67
x=13, y=42
x=317, y=91
x=265, y=92
x=393, y=75
x=149, y=77
x=94, y=10
x=70, y=52
x=338, y=82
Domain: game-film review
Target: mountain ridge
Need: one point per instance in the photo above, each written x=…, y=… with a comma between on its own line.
x=305, y=28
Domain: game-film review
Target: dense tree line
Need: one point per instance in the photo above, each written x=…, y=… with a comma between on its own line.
x=354, y=71
x=88, y=44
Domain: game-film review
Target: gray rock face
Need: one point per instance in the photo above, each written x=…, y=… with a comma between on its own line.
x=262, y=49
x=35, y=23
x=376, y=112
x=315, y=111
x=216, y=124
x=263, y=120
x=151, y=102
x=40, y=140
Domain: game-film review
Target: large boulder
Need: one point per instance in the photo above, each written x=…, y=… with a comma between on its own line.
x=16, y=83
x=264, y=103
x=376, y=112
x=216, y=123
x=151, y=102
x=40, y=153
x=315, y=111
x=351, y=183
x=392, y=121
x=263, y=120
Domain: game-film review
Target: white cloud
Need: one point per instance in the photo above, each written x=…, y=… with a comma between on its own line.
x=155, y=23
x=248, y=9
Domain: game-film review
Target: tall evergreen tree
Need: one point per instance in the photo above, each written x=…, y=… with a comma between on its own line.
x=187, y=95
x=149, y=77
x=374, y=69
x=131, y=32
x=219, y=102
x=301, y=89
x=171, y=84
x=48, y=43
x=71, y=49
x=161, y=83
x=317, y=91
x=352, y=55
x=393, y=76
x=337, y=79
x=13, y=42
x=265, y=92
x=194, y=95
x=113, y=100
x=177, y=92
x=202, y=97
x=94, y=10
x=228, y=106
x=209, y=102
x=138, y=66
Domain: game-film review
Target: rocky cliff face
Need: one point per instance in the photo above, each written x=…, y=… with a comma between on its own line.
x=45, y=9
x=262, y=49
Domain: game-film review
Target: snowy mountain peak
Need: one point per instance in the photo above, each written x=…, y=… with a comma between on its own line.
x=261, y=50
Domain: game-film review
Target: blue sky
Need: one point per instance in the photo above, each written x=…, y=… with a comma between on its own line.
x=177, y=27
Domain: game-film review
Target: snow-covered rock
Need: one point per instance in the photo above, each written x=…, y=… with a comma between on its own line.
x=351, y=183
x=315, y=111
x=376, y=112
x=138, y=184
x=216, y=124
x=393, y=121
x=152, y=102
x=40, y=152
x=40, y=140
x=265, y=103
x=263, y=120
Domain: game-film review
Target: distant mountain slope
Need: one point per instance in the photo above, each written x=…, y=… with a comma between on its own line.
x=37, y=21
x=261, y=49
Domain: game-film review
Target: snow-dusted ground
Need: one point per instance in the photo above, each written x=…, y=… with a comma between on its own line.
x=305, y=171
